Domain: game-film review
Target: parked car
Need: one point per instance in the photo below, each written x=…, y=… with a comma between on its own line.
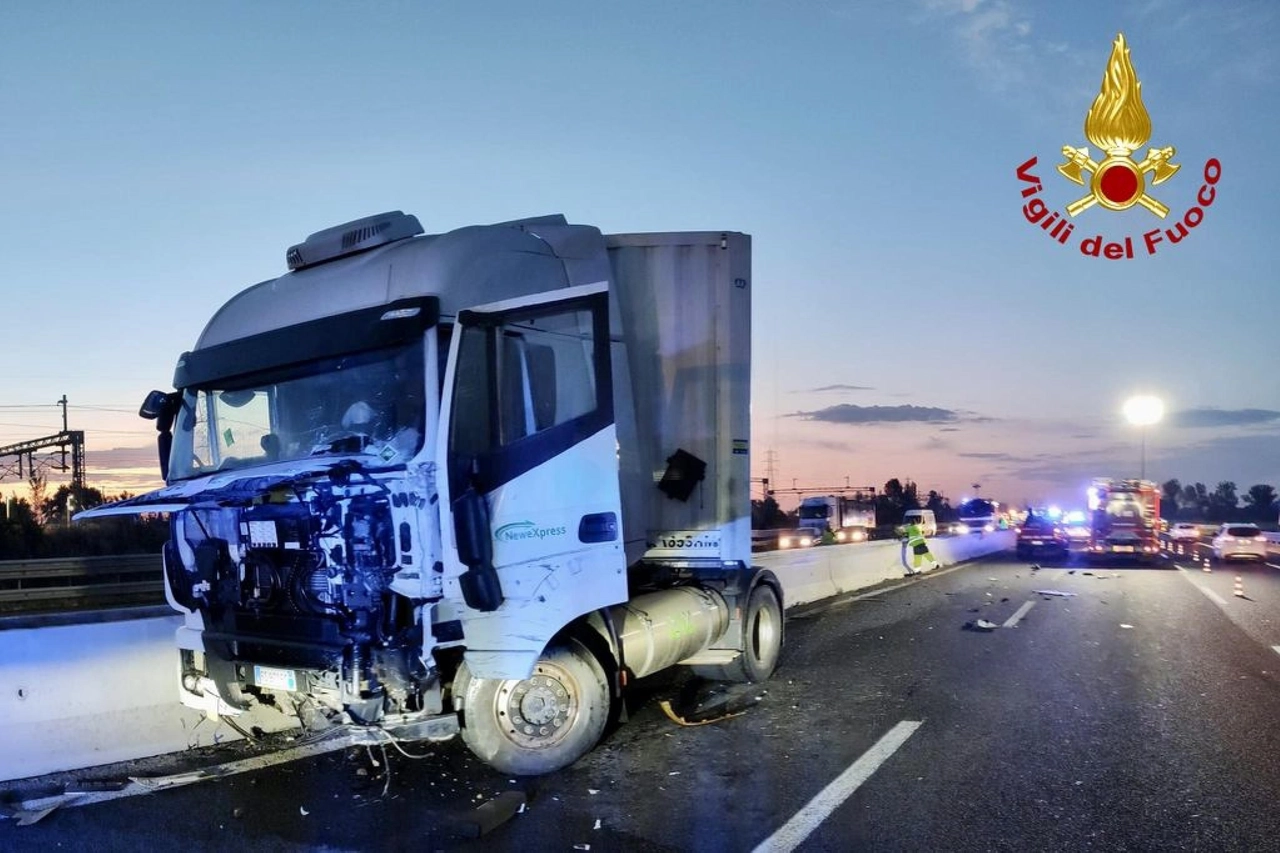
x=1239, y=542
x=1040, y=536
x=1184, y=531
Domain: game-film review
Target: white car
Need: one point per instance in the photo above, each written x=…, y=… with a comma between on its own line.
x=1239, y=542
x=1184, y=531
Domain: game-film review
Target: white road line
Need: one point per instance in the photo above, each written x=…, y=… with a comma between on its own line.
x=1276, y=649
x=793, y=833
x=1021, y=611
x=1221, y=602
x=1212, y=596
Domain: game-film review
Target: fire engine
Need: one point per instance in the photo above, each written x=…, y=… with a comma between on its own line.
x=1124, y=518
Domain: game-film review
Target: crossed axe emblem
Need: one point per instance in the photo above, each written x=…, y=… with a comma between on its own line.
x=1157, y=161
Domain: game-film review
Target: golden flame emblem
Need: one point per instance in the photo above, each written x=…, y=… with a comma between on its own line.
x=1119, y=124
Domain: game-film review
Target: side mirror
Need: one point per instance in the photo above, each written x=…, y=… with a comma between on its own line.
x=481, y=588
x=161, y=408
x=154, y=406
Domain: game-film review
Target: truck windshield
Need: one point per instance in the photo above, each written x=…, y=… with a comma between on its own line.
x=370, y=404
x=819, y=511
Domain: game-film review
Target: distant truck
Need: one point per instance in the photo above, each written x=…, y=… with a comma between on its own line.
x=977, y=516
x=1124, y=519
x=848, y=519
x=479, y=481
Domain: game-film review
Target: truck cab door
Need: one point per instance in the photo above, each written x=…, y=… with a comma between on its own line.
x=532, y=519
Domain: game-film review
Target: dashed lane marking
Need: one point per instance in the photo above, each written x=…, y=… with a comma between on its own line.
x=793, y=833
x=1012, y=621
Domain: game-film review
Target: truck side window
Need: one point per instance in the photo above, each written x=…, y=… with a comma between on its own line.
x=471, y=431
x=546, y=373
x=528, y=385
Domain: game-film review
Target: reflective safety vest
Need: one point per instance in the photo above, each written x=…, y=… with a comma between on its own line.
x=915, y=535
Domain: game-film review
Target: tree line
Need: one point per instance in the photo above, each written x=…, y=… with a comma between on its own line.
x=41, y=527
x=1194, y=502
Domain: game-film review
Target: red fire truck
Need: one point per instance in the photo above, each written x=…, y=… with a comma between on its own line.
x=1124, y=519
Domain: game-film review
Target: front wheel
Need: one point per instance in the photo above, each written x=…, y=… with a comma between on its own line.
x=761, y=641
x=539, y=724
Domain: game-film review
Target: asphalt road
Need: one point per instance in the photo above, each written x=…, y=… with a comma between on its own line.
x=1136, y=712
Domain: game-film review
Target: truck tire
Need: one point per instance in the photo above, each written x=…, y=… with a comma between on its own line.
x=761, y=641
x=539, y=724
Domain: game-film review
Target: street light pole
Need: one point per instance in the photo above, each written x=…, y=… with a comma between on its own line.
x=1142, y=412
x=1142, y=471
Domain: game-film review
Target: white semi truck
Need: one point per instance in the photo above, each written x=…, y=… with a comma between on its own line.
x=478, y=480
x=848, y=519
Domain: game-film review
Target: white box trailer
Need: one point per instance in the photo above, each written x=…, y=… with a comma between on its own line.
x=480, y=479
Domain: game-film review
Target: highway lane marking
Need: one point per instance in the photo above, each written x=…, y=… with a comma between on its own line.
x=1012, y=621
x=1212, y=596
x=793, y=833
x=1276, y=649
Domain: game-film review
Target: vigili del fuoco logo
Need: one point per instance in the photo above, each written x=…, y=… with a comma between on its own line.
x=1118, y=125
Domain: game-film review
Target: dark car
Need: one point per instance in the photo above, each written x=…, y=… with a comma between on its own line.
x=1041, y=537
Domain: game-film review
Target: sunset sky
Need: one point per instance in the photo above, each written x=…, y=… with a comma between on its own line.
x=909, y=320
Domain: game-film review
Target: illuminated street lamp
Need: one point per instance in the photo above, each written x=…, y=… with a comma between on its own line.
x=1142, y=412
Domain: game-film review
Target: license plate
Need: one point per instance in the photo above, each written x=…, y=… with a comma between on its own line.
x=1123, y=549
x=277, y=679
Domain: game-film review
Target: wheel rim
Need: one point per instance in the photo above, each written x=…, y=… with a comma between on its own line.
x=538, y=712
x=764, y=633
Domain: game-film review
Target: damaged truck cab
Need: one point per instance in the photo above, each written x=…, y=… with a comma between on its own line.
x=476, y=480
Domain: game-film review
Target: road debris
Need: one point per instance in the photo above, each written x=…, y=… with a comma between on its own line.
x=597, y=826
x=1056, y=592
x=303, y=811
x=488, y=816
x=1122, y=625
x=980, y=625
x=593, y=791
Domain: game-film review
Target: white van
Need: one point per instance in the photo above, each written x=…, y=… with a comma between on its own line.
x=925, y=518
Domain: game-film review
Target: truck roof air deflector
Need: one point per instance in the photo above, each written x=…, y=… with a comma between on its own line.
x=356, y=236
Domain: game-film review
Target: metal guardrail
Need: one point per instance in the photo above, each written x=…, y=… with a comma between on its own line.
x=80, y=582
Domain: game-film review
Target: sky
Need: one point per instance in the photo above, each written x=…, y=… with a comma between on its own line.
x=909, y=321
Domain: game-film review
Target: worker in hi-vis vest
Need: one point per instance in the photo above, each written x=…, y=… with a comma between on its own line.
x=915, y=545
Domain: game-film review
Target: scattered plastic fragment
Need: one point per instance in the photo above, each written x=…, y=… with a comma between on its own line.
x=674, y=773
x=980, y=625
x=303, y=811
x=1122, y=625
x=1054, y=592
x=593, y=791
x=490, y=815
x=597, y=826
x=582, y=847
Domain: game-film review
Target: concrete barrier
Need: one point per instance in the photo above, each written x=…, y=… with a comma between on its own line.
x=812, y=574
x=76, y=696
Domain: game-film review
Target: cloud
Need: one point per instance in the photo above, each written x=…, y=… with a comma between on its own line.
x=949, y=429
x=1006, y=457
x=993, y=35
x=836, y=446
x=1210, y=417
x=837, y=388
x=935, y=443
x=847, y=413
